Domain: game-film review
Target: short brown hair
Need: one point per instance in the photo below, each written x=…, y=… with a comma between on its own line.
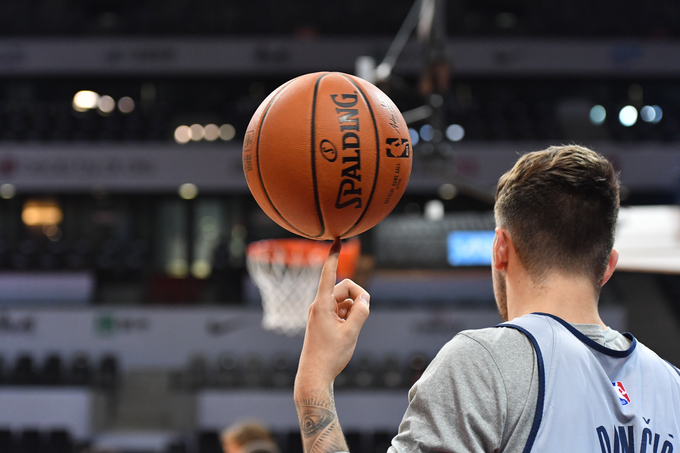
x=560, y=208
x=246, y=431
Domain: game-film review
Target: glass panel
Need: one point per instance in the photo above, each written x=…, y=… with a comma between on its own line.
x=209, y=230
x=171, y=246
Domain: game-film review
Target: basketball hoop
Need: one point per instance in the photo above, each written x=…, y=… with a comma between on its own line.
x=287, y=271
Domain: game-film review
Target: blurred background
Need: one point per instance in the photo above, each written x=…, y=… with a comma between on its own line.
x=128, y=319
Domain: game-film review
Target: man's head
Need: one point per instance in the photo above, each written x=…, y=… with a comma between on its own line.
x=247, y=437
x=560, y=207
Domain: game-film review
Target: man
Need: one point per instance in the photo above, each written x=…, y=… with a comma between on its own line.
x=555, y=378
x=247, y=437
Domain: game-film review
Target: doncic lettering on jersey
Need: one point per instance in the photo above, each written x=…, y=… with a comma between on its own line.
x=586, y=389
x=624, y=440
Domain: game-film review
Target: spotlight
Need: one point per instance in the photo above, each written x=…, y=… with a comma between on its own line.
x=434, y=210
x=651, y=113
x=7, y=191
x=106, y=104
x=197, y=132
x=447, y=191
x=182, y=134
x=211, y=132
x=427, y=132
x=85, y=100
x=455, y=132
x=415, y=138
x=188, y=191
x=597, y=115
x=126, y=104
x=628, y=116
x=227, y=132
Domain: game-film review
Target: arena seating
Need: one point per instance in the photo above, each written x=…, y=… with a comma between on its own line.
x=232, y=370
x=488, y=110
x=55, y=371
x=112, y=231
x=307, y=18
x=36, y=441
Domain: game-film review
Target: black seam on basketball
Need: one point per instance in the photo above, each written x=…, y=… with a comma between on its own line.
x=322, y=226
x=257, y=158
x=377, y=157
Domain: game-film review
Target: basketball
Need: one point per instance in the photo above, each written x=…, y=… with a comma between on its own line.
x=327, y=155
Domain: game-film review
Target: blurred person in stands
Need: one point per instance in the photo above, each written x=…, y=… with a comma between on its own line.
x=553, y=377
x=247, y=436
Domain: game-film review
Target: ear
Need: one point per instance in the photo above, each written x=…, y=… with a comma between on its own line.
x=500, y=254
x=611, y=265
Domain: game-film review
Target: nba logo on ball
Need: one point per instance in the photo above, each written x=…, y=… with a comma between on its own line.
x=623, y=395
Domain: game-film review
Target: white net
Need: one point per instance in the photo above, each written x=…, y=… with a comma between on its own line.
x=287, y=274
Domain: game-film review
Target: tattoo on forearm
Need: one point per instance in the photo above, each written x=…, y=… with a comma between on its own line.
x=321, y=432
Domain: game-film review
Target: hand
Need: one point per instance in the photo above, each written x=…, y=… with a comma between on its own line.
x=335, y=320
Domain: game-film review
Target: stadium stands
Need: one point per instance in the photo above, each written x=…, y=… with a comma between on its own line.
x=159, y=310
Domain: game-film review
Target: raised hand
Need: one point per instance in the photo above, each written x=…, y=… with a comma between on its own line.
x=335, y=320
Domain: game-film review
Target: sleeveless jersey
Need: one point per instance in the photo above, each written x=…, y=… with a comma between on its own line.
x=593, y=399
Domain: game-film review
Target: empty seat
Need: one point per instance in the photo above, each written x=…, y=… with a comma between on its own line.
x=364, y=375
x=52, y=370
x=252, y=371
x=24, y=371
x=355, y=441
x=294, y=442
x=282, y=373
x=392, y=375
x=196, y=374
x=59, y=441
x=178, y=446
x=228, y=371
x=209, y=442
x=81, y=371
x=30, y=441
x=381, y=441
x=108, y=372
x=416, y=365
x=7, y=443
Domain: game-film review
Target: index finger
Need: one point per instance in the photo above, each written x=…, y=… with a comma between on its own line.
x=327, y=281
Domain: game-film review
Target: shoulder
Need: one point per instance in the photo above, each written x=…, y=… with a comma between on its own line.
x=489, y=376
x=499, y=357
x=496, y=353
x=499, y=343
x=654, y=359
x=497, y=337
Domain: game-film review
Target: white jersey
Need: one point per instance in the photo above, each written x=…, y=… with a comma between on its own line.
x=593, y=399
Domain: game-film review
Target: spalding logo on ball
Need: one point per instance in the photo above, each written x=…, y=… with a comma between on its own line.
x=327, y=155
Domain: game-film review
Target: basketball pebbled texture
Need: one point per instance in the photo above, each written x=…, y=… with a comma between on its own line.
x=327, y=155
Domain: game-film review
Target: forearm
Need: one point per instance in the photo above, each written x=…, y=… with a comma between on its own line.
x=333, y=326
x=321, y=432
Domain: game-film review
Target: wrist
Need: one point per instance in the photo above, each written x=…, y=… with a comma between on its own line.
x=311, y=375
x=310, y=386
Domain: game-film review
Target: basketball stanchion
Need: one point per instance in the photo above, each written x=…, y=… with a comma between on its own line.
x=286, y=272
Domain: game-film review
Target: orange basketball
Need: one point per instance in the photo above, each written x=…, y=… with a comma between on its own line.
x=327, y=155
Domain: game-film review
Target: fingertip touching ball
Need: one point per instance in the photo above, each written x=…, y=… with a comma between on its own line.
x=327, y=155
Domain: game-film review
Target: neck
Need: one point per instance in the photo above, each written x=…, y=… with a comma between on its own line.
x=569, y=297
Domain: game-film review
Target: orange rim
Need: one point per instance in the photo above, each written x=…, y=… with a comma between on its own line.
x=305, y=252
x=293, y=251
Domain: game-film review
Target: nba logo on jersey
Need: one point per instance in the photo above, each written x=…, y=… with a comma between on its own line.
x=623, y=395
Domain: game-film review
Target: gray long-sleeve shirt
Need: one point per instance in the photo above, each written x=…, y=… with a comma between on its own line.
x=479, y=394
